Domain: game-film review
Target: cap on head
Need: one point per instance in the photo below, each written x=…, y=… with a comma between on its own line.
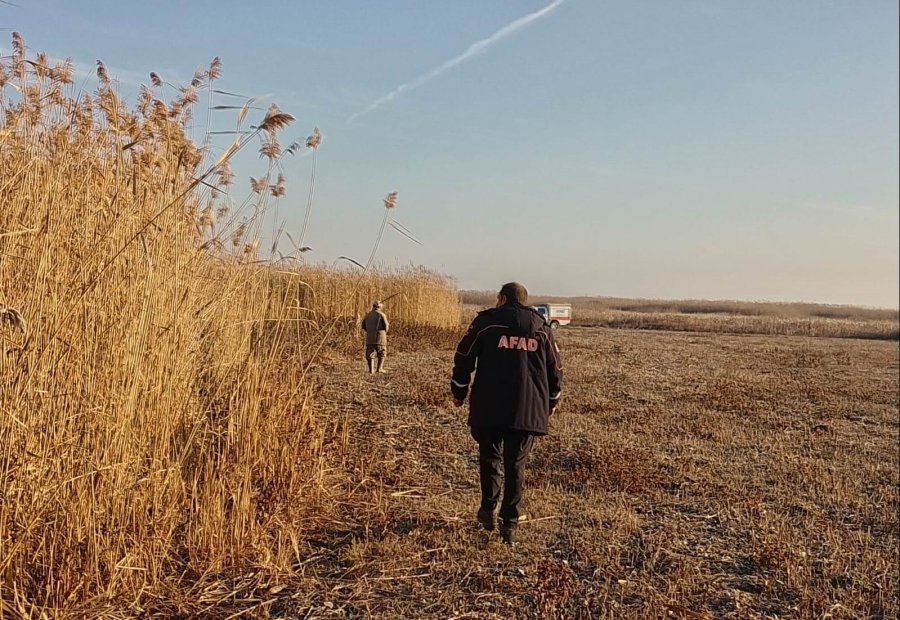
x=377, y=305
x=515, y=293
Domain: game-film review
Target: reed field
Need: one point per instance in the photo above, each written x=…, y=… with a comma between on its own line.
x=156, y=419
x=414, y=297
x=734, y=317
x=187, y=430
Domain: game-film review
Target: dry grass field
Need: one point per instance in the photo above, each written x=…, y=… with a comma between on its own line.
x=721, y=316
x=687, y=476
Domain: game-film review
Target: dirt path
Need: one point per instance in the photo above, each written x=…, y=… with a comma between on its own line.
x=690, y=475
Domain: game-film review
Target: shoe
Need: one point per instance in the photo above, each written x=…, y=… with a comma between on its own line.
x=486, y=519
x=508, y=532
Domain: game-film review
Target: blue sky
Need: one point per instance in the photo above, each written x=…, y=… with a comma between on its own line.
x=674, y=149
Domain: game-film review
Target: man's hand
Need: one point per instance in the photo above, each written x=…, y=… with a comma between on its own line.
x=457, y=402
x=553, y=409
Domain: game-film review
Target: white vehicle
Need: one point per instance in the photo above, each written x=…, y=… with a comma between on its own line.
x=555, y=314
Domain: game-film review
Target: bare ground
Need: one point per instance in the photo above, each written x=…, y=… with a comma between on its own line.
x=687, y=475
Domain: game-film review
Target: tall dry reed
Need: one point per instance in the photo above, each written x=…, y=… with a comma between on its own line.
x=413, y=297
x=148, y=442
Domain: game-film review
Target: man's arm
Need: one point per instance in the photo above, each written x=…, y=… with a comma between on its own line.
x=554, y=370
x=464, y=364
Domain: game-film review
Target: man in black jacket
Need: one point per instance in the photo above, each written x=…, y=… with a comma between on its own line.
x=516, y=389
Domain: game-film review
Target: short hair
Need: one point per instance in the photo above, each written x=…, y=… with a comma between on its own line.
x=515, y=293
x=377, y=304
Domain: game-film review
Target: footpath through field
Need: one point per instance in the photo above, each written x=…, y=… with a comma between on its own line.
x=704, y=475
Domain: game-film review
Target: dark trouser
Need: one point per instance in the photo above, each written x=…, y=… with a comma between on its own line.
x=373, y=352
x=512, y=448
x=376, y=350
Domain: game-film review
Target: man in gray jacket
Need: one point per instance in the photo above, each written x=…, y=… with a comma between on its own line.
x=376, y=325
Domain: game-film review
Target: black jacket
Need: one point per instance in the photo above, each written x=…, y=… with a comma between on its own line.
x=519, y=375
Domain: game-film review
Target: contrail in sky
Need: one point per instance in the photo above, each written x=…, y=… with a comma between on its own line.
x=479, y=47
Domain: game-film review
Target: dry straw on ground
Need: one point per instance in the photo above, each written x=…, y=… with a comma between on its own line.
x=687, y=475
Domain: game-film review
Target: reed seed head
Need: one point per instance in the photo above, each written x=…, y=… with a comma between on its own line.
x=390, y=201
x=275, y=119
x=315, y=139
x=215, y=69
x=258, y=185
x=102, y=74
x=18, y=44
